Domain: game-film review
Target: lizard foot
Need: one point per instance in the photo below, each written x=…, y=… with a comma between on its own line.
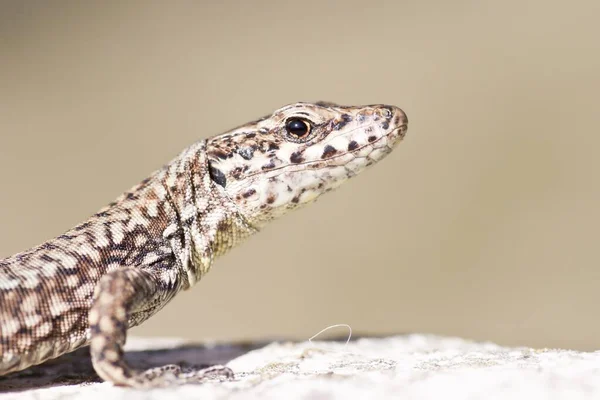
x=171, y=374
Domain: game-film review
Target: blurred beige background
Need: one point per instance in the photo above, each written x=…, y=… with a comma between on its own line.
x=483, y=224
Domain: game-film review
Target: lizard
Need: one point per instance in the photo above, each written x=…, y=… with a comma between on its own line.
x=87, y=286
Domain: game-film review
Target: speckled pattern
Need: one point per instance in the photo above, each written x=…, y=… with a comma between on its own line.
x=112, y=272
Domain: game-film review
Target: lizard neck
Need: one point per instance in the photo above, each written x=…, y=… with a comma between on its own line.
x=206, y=223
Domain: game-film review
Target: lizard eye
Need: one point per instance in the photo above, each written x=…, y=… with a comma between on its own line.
x=297, y=128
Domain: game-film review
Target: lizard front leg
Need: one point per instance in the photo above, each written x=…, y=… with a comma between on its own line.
x=125, y=295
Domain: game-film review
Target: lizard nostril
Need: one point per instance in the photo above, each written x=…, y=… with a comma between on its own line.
x=398, y=116
x=386, y=112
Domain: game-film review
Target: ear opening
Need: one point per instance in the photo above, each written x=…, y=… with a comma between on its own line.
x=216, y=174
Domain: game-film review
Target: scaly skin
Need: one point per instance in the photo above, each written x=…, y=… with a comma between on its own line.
x=114, y=271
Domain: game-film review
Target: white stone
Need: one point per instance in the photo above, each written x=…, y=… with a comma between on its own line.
x=401, y=367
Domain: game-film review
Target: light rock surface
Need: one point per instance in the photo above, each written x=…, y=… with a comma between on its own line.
x=400, y=367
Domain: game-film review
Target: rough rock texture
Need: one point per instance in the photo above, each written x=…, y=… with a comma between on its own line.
x=400, y=367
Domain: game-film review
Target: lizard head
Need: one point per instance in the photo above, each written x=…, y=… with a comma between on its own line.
x=291, y=157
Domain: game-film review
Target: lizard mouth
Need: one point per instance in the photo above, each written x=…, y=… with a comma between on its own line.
x=391, y=139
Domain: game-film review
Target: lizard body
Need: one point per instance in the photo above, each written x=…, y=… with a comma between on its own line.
x=114, y=271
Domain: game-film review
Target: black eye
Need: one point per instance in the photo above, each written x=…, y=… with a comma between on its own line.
x=298, y=128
